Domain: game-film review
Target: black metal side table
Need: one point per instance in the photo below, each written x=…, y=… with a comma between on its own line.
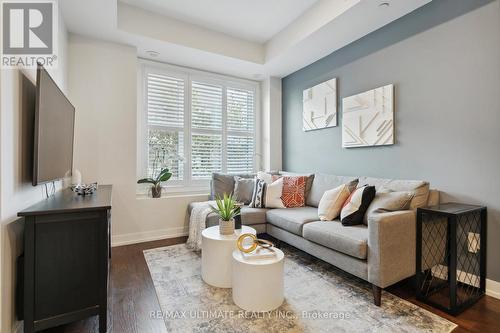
x=451, y=256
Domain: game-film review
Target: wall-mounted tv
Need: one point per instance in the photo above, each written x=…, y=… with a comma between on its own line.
x=53, y=132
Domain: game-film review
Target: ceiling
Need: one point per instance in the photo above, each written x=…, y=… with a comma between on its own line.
x=251, y=39
x=255, y=20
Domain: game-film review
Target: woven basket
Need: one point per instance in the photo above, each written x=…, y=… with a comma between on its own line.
x=226, y=227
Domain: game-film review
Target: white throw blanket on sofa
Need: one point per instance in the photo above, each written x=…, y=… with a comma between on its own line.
x=197, y=223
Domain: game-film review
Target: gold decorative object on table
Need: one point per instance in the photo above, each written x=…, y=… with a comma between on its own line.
x=255, y=242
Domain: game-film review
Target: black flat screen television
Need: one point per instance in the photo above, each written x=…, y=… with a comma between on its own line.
x=53, y=131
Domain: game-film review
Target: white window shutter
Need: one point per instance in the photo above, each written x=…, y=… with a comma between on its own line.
x=240, y=154
x=240, y=110
x=206, y=106
x=206, y=125
x=165, y=106
x=240, y=127
x=165, y=97
x=206, y=155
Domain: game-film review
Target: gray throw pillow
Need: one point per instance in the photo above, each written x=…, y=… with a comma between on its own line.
x=389, y=202
x=243, y=189
x=222, y=183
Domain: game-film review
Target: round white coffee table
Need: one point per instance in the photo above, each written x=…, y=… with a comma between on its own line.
x=258, y=283
x=216, y=251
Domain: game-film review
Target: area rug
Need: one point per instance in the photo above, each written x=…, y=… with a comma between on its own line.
x=318, y=298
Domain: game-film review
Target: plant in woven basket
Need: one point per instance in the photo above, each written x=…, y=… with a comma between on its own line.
x=226, y=209
x=162, y=176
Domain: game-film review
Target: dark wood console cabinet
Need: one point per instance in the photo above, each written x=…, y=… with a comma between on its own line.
x=66, y=259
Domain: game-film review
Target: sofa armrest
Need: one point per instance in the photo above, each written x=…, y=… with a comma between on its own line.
x=391, y=247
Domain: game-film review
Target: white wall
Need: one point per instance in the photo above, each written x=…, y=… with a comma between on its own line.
x=313, y=19
x=160, y=27
x=16, y=191
x=102, y=85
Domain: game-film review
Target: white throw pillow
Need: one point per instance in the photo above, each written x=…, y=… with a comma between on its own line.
x=273, y=194
x=266, y=177
x=332, y=201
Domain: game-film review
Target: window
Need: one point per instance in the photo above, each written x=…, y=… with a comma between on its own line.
x=195, y=124
x=206, y=129
x=165, y=124
x=240, y=129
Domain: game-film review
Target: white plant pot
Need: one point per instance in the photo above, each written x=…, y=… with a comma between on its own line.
x=226, y=227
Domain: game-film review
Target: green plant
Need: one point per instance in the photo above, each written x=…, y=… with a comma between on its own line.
x=227, y=208
x=162, y=176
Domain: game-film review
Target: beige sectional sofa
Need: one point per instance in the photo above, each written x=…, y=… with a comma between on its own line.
x=381, y=252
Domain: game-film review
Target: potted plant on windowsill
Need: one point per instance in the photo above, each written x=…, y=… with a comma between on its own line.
x=226, y=209
x=162, y=176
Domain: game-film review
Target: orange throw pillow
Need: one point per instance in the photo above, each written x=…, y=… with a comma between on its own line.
x=294, y=189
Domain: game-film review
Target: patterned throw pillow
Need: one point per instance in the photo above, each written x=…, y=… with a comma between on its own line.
x=355, y=207
x=294, y=191
x=259, y=194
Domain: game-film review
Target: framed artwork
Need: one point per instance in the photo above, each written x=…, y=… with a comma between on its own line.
x=368, y=118
x=320, y=106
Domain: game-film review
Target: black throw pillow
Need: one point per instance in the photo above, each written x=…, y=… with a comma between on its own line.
x=355, y=207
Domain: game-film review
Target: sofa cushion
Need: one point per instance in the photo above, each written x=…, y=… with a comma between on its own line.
x=267, y=177
x=332, y=201
x=223, y=183
x=292, y=219
x=243, y=189
x=419, y=188
x=323, y=182
x=388, y=202
x=433, y=198
x=309, y=180
x=249, y=216
x=274, y=192
x=355, y=207
x=293, y=194
x=352, y=240
x=259, y=194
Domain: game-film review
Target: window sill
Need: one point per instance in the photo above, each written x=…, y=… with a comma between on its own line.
x=173, y=192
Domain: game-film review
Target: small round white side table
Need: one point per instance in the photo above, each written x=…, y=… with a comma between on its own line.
x=258, y=283
x=216, y=251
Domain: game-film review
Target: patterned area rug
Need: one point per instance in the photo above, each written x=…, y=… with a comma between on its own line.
x=318, y=298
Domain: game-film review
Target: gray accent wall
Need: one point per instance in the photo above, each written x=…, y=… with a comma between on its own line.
x=444, y=60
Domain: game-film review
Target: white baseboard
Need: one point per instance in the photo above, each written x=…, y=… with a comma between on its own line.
x=147, y=236
x=493, y=288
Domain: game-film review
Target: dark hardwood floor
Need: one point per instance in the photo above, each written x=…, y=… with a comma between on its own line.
x=132, y=298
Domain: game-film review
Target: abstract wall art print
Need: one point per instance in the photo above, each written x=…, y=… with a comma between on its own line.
x=368, y=118
x=320, y=106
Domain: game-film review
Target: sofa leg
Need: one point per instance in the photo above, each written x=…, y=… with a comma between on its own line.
x=377, y=294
